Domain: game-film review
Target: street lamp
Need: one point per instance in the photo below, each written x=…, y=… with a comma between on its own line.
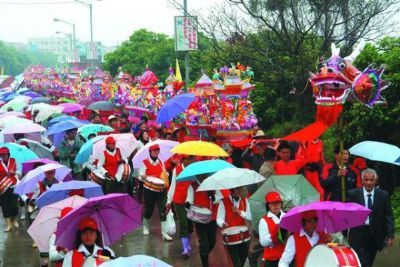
x=89, y=5
x=71, y=50
x=73, y=34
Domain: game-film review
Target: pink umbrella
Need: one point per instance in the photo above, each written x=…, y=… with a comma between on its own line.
x=45, y=223
x=332, y=216
x=116, y=216
x=86, y=101
x=165, y=151
x=71, y=107
x=13, y=113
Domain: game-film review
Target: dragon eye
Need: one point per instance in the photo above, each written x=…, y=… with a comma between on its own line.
x=342, y=65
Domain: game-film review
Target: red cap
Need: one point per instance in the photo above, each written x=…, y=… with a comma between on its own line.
x=309, y=214
x=154, y=147
x=65, y=211
x=110, y=140
x=88, y=222
x=273, y=197
x=4, y=150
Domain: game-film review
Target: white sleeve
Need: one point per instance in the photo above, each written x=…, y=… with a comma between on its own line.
x=263, y=232
x=54, y=254
x=142, y=170
x=36, y=193
x=110, y=250
x=171, y=190
x=190, y=195
x=68, y=260
x=246, y=214
x=221, y=214
x=288, y=254
x=101, y=159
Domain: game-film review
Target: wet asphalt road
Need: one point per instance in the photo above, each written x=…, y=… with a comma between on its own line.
x=16, y=249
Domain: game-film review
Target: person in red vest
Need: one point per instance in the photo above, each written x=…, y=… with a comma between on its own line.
x=108, y=163
x=299, y=244
x=57, y=254
x=286, y=166
x=48, y=181
x=8, y=179
x=271, y=236
x=206, y=230
x=178, y=194
x=154, y=191
x=316, y=161
x=233, y=211
x=90, y=248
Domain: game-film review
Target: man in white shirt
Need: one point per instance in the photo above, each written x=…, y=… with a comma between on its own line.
x=233, y=211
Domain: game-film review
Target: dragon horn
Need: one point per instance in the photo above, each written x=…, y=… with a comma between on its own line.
x=335, y=50
x=355, y=52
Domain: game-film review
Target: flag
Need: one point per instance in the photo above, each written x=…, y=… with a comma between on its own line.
x=178, y=75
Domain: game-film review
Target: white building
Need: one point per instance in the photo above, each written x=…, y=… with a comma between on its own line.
x=60, y=46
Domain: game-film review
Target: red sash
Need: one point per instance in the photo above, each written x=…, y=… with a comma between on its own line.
x=78, y=258
x=111, y=162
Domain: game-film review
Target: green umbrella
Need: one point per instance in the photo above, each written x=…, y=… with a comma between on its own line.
x=17, y=105
x=88, y=129
x=294, y=189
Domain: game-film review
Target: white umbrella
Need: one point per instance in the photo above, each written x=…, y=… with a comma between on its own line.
x=376, y=151
x=165, y=151
x=126, y=142
x=134, y=261
x=32, y=178
x=230, y=178
x=39, y=149
x=45, y=111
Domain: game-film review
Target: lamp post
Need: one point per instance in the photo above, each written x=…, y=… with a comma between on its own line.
x=71, y=50
x=89, y=5
x=185, y=14
x=73, y=35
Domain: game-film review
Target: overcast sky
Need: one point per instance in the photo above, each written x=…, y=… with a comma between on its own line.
x=113, y=20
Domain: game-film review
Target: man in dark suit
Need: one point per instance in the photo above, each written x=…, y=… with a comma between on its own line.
x=378, y=229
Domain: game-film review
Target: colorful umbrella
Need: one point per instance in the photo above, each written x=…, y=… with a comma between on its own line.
x=87, y=150
x=143, y=153
x=30, y=164
x=230, y=178
x=64, y=190
x=46, y=221
x=17, y=105
x=32, y=95
x=199, y=148
x=126, y=143
x=20, y=153
x=89, y=129
x=39, y=149
x=71, y=107
x=136, y=261
x=202, y=167
x=295, y=190
x=376, y=151
x=63, y=126
x=101, y=105
x=32, y=178
x=332, y=216
x=86, y=101
x=174, y=107
x=116, y=216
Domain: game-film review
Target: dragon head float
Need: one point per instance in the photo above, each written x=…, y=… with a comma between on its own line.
x=338, y=78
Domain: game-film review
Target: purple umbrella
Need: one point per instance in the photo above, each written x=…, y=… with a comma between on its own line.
x=71, y=107
x=86, y=101
x=64, y=190
x=174, y=106
x=32, y=164
x=32, y=94
x=332, y=216
x=116, y=216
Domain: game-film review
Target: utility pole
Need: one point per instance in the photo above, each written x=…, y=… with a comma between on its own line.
x=91, y=35
x=185, y=14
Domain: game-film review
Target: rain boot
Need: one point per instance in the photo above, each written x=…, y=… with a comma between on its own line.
x=185, y=242
x=15, y=222
x=204, y=260
x=164, y=231
x=22, y=217
x=146, y=226
x=9, y=225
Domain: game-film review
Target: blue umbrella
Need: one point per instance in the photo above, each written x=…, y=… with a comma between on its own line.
x=63, y=126
x=376, y=151
x=40, y=99
x=11, y=97
x=87, y=150
x=20, y=153
x=174, y=106
x=64, y=190
x=61, y=118
x=32, y=94
x=202, y=167
x=22, y=90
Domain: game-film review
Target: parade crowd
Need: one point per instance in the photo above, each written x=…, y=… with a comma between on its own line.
x=212, y=215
